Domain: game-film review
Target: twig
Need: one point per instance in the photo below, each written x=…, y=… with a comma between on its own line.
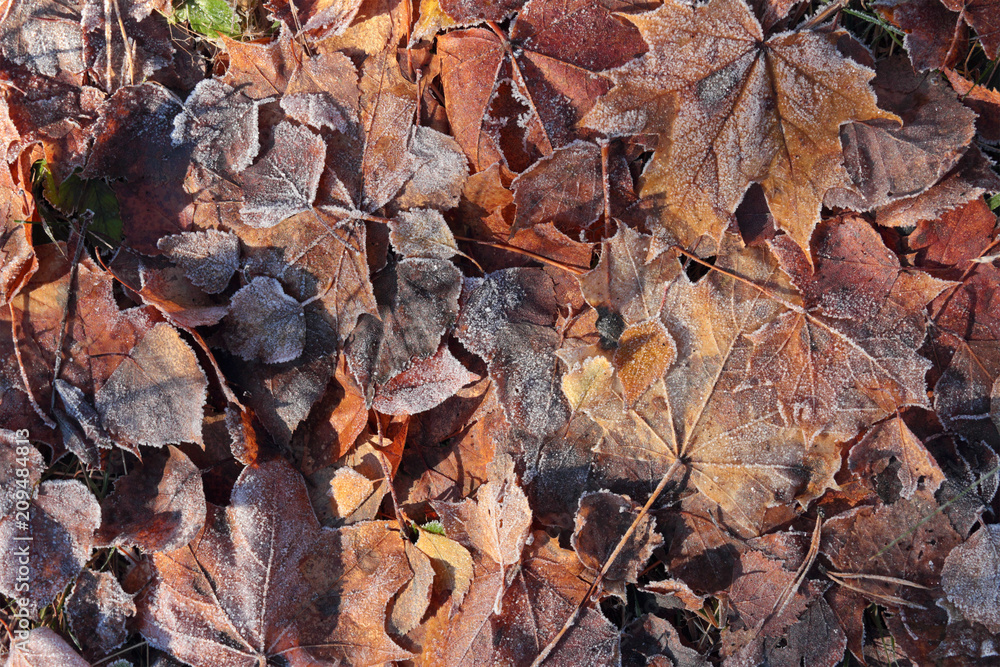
x=674, y=467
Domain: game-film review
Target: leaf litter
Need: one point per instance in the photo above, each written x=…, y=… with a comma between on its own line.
x=527, y=333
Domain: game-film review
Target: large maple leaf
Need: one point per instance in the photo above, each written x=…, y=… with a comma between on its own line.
x=732, y=107
x=263, y=580
x=766, y=383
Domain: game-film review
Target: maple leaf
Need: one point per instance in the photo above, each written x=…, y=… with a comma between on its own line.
x=264, y=581
x=517, y=97
x=887, y=162
x=738, y=108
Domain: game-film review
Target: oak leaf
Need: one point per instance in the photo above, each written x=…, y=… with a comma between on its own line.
x=738, y=108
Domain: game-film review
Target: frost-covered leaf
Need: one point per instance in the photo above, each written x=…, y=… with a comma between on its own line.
x=600, y=520
x=158, y=506
x=120, y=49
x=419, y=303
x=44, y=36
x=44, y=648
x=439, y=168
x=221, y=123
x=209, y=258
x=323, y=92
x=284, y=181
x=258, y=70
x=61, y=523
x=264, y=323
x=629, y=279
x=892, y=449
x=507, y=319
x=157, y=394
x=971, y=577
x=264, y=580
x=422, y=232
x=324, y=17
x=888, y=162
x=451, y=561
x=738, y=108
x=564, y=188
x=97, y=610
x=425, y=384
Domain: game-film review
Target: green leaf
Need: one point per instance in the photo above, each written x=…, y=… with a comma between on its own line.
x=76, y=195
x=994, y=202
x=209, y=17
x=435, y=527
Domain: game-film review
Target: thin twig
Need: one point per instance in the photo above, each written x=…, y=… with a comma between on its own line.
x=674, y=467
x=527, y=253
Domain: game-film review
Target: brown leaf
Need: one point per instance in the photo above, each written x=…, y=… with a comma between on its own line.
x=891, y=449
x=264, y=323
x=439, y=169
x=422, y=233
x=157, y=394
x=907, y=541
x=221, y=124
x=413, y=600
x=544, y=591
x=264, y=580
x=507, y=98
x=888, y=162
x=739, y=108
x=261, y=70
x=645, y=351
x=971, y=577
x=44, y=36
x=965, y=346
x=603, y=517
x=466, y=11
x=934, y=34
x=984, y=101
x=138, y=121
x=208, y=258
x=629, y=279
x=61, y=521
x=97, y=610
x=564, y=188
x=955, y=237
x=158, y=506
x=650, y=637
x=284, y=181
x=323, y=92
x=44, y=648
x=321, y=17
x=420, y=302
x=452, y=564
x=424, y=385
x=506, y=319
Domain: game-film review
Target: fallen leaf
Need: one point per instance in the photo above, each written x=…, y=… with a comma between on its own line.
x=43, y=648
x=970, y=577
x=265, y=324
x=424, y=385
x=44, y=36
x=60, y=524
x=890, y=448
x=604, y=516
x=158, y=506
x=156, y=395
x=221, y=124
x=98, y=609
x=284, y=181
x=739, y=108
x=208, y=258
